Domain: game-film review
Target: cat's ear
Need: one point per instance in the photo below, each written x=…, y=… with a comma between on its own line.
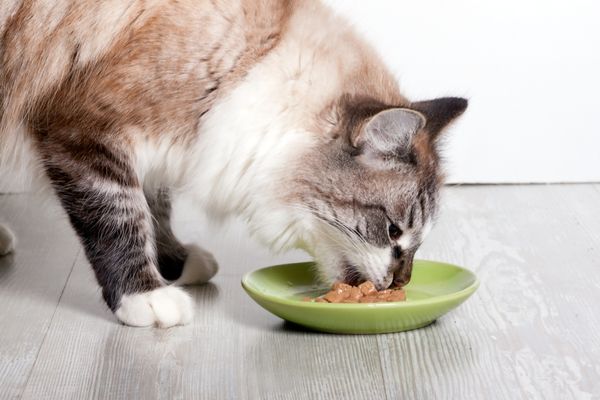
x=389, y=133
x=440, y=112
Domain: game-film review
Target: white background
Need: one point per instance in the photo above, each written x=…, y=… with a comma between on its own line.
x=529, y=67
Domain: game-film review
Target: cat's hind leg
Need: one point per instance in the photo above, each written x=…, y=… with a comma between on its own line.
x=107, y=207
x=7, y=240
x=200, y=266
x=181, y=264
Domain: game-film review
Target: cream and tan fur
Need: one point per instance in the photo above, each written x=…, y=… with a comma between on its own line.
x=275, y=111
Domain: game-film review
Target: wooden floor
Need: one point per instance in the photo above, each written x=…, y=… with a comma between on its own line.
x=530, y=332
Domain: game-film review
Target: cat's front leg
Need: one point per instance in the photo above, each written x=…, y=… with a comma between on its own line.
x=109, y=212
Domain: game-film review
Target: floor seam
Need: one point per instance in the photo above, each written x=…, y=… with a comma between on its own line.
x=49, y=324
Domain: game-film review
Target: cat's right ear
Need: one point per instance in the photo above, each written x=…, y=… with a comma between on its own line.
x=440, y=112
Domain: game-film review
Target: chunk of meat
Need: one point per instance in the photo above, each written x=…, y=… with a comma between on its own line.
x=367, y=288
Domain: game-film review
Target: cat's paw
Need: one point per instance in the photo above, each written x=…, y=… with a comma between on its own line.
x=164, y=307
x=199, y=267
x=7, y=240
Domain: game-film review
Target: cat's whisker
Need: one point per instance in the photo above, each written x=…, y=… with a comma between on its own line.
x=351, y=248
x=334, y=221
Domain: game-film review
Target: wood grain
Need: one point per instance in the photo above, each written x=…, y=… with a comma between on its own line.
x=530, y=332
x=233, y=350
x=31, y=282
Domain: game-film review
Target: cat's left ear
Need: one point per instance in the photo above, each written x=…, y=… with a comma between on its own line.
x=440, y=112
x=389, y=134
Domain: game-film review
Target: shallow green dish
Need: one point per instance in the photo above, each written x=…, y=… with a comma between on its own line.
x=435, y=289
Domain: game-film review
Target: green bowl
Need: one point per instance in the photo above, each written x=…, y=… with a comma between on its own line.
x=435, y=288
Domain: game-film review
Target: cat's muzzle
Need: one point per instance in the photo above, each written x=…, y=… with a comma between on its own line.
x=402, y=271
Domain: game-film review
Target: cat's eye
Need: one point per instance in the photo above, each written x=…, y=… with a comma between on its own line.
x=394, y=232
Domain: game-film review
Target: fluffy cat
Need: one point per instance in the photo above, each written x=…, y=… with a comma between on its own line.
x=272, y=110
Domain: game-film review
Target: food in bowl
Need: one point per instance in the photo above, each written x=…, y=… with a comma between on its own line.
x=363, y=293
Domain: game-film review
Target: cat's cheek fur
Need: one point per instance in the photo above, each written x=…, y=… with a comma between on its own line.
x=373, y=264
x=164, y=307
x=333, y=254
x=8, y=240
x=330, y=266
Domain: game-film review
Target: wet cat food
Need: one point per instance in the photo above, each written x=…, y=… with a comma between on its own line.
x=363, y=293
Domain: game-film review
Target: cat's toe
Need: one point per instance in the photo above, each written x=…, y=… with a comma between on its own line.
x=199, y=267
x=7, y=240
x=164, y=307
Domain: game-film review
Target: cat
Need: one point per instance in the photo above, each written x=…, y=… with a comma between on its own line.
x=274, y=111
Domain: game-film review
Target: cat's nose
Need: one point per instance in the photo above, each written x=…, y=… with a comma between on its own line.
x=403, y=270
x=401, y=279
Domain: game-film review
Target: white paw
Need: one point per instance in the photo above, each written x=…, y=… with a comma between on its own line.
x=199, y=267
x=7, y=240
x=164, y=307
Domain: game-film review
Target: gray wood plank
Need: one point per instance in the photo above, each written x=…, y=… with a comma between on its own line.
x=529, y=332
x=233, y=350
x=531, y=329
x=31, y=282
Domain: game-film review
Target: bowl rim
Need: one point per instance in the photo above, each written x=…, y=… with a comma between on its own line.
x=463, y=293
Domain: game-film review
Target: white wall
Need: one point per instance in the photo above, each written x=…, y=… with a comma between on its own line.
x=530, y=69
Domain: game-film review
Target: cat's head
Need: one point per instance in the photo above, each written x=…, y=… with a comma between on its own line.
x=369, y=194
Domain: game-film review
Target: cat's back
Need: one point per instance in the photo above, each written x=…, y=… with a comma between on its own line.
x=129, y=61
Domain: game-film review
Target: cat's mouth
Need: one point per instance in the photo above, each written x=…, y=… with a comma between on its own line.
x=352, y=276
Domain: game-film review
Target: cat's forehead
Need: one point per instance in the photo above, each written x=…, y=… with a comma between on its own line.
x=391, y=186
x=397, y=192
